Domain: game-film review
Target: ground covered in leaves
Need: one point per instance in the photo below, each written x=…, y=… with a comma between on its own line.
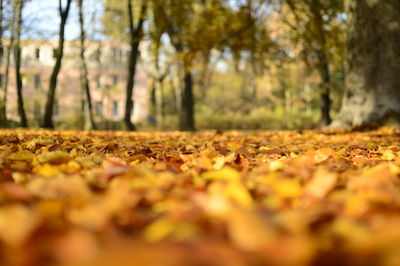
x=270, y=198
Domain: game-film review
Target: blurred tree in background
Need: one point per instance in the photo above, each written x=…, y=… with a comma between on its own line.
x=373, y=61
x=51, y=94
x=229, y=64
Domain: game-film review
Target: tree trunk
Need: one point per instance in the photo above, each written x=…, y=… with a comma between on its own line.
x=136, y=34
x=3, y=100
x=159, y=102
x=325, y=88
x=129, y=87
x=84, y=70
x=3, y=116
x=17, y=59
x=323, y=63
x=48, y=114
x=187, y=116
x=175, y=84
x=373, y=76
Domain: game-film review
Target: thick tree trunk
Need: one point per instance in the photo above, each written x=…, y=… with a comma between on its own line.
x=373, y=76
x=48, y=114
x=84, y=70
x=136, y=34
x=187, y=114
x=17, y=59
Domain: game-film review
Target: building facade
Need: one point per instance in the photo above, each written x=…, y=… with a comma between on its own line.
x=107, y=67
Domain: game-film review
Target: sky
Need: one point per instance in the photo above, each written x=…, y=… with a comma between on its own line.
x=42, y=19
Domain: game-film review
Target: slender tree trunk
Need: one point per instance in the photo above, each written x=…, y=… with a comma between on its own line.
x=49, y=109
x=17, y=59
x=153, y=97
x=136, y=35
x=372, y=91
x=320, y=39
x=178, y=88
x=323, y=64
x=158, y=90
x=3, y=100
x=3, y=116
x=159, y=103
x=325, y=89
x=288, y=99
x=132, y=60
x=203, y=82
x=175, y=84
x=187, y=119
x=1, y=31
x=253, y=85
x=84, y=70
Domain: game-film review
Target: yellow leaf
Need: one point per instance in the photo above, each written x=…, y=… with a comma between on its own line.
x=55, y=157
x=218, y=162
x=17, y=224
x=50, y=208
x=275, y=165
x=239, y=194
x=73, y=152
x=166, y=228
x=224, y=174
x=20, y=177
x=287, y=188
x=322, y=182
x=72, y=188
x=46, y=170
x=389, y=155
x=248, y=230
x=26, y=156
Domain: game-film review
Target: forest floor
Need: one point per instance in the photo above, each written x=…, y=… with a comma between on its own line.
x=268, y=198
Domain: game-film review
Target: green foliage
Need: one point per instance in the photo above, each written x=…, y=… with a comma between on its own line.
x=115, y=18
x=259, y=118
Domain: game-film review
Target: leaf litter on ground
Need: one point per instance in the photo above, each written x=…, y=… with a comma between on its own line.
x=263, y=198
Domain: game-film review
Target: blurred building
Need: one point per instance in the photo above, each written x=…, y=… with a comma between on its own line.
x=107, y=65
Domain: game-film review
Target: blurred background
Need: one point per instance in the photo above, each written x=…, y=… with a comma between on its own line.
x=171, y=64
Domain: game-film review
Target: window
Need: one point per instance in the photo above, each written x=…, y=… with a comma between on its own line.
x=115, y=79
x=117, y=55
x=115, y=108
x=56, y=108
x=23, y=79
x=99, y=107
x=37, y=81
x=98, y=81
x=98, y=55
x=114, y=51
x=37, y=53
x=55, y=52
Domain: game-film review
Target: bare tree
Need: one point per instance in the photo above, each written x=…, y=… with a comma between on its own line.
x=84, y=70
x=19, y=5
x=3, y=117
x=135, y=37
x=10, y=47
x=48, y=115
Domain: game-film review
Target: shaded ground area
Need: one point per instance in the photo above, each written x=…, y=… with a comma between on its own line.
x=268, y=198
